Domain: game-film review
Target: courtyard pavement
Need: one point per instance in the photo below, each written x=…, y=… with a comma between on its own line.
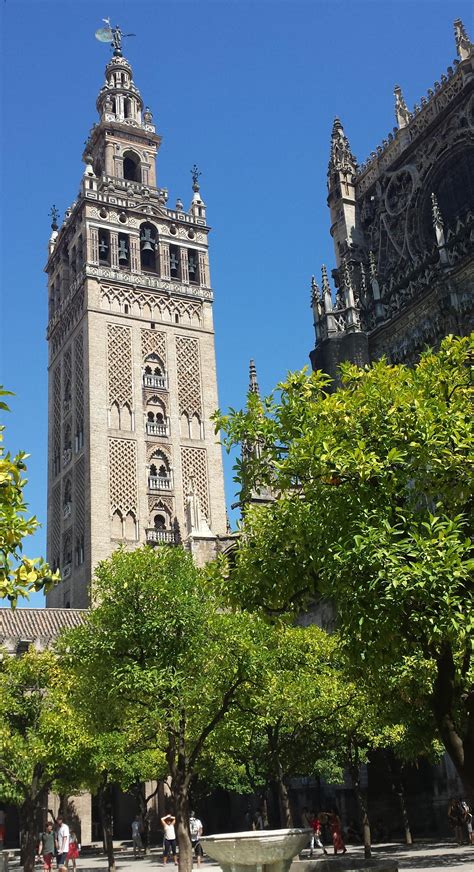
x=425, y=856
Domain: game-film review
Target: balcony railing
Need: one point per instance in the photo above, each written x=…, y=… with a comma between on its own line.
x=159, y=482
x=156, y=429
x=66, y=571
x=155, y=381
x=67, y=456
x=161, y=537
x=67, y=509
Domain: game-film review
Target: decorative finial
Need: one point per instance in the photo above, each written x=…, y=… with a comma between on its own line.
x=315, y=291
x=372, y=265
x=341, y=157
x=195, y=173
x=324, y=280
x=438, y=222
x=402, y=113
x=54, y=215
x=253, y=383
x=464, y=45
x=179, y=205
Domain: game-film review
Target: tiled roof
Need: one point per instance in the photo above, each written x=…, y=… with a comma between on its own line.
x=33, y=624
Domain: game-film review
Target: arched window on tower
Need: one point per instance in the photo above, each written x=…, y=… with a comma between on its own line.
x=159, y=522
x=148, y=248
x=159, y=472
x=131, y=167
x=154, y=375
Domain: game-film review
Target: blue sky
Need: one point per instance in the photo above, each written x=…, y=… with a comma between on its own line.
x=248, y=91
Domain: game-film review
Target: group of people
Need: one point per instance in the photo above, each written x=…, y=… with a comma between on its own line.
x=169, y=837
x=316, y=822
x=460, y=818
x=60, y=842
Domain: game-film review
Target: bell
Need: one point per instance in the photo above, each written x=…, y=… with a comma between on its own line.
x=103, y=247
x=122, y=250
x=147, y=240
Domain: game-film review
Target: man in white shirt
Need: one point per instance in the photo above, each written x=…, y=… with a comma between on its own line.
x=195, y=829
x=62, y=841
x=169, y=844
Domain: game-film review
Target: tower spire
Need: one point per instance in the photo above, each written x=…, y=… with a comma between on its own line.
x=253, y=383
x=342, y=172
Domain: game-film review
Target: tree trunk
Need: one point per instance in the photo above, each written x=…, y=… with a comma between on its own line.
x=364, y=817
x=29, y=833
x=286, y=818
x=459, y=748
x=180, y=787
x=105, y=805
x=395, y=770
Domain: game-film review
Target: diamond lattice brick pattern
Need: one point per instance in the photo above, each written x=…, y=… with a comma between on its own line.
x=189, y=376
x=119, y=364
x=123, y=475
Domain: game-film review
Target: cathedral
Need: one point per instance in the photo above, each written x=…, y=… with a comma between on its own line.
x=133, y=457
x=402, y=224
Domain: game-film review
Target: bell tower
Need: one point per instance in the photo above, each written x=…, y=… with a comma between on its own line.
x=132, y=376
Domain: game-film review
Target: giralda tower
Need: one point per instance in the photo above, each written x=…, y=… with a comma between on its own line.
x=133, y=456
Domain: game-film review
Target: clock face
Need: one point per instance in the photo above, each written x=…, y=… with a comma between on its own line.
x=104, y=34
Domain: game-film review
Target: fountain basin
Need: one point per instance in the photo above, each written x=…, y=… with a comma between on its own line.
x=267, y=850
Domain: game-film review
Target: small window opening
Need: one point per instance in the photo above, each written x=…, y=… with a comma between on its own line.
x=159, y=522
x=131, y=167
x=126, y=308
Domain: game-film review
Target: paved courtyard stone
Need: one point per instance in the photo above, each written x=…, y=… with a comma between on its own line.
x=425, y=856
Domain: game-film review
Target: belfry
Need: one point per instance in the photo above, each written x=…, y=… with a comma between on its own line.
x=132, y=376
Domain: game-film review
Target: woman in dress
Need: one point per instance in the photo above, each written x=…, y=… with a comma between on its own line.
x=73, y=852
x=336, y=832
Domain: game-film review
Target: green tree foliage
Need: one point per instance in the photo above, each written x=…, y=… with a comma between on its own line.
x=160, y=646
x=42, y=746
x=374, y=511
x=19, y=575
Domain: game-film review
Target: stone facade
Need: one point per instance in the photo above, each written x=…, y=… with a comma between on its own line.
x=403, y=230
x=132, y=374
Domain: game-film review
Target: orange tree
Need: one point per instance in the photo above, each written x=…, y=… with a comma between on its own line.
x=374, y=486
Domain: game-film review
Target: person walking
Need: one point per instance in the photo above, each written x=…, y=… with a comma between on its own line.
x=74, y=848
x=169, y=843
x=455, y=819
x=47, y=847
x=137, y=836
x=466, y=816
x=336, y=832
x=316, y=837
x=62, y=841
x=306, y=821
x=195, y=829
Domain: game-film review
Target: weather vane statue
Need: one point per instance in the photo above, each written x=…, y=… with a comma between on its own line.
x=195, y=173
x=112, y=35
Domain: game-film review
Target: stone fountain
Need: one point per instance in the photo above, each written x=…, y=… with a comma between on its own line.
x=262, y=850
